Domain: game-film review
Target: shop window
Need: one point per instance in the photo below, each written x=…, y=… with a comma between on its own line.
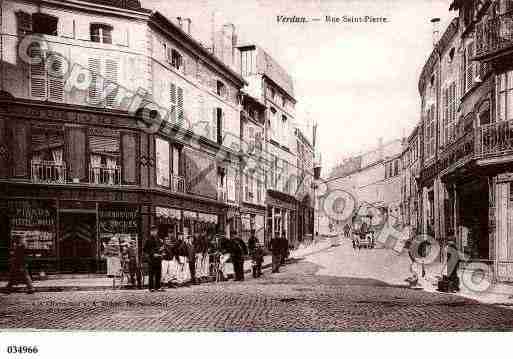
x=163, y=162
x=44, y=24
x=101, y=33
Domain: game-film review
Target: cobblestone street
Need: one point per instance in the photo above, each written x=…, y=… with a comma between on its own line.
x=298, y=298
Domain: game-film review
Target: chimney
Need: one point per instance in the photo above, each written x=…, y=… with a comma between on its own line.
x=180, y=22
x=436, y=30
x=229, y=43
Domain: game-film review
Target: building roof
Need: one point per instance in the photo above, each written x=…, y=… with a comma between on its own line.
x=122, y=4
x=167, y=25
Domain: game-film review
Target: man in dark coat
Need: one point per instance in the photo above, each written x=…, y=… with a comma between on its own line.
x=18, y=272
x=153, y=250
x=284, y=248
x=276, y=253
x=239, y=250
x=256, y=253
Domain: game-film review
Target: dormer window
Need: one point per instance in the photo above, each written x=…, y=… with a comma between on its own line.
x=101, y=33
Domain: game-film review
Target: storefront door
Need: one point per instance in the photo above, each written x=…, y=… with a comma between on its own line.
x=504, y=239
x=78, y=242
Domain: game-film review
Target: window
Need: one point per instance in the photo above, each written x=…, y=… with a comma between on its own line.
x=451, y=55
x=47, y=145
x=104, y=149
x=272, y=93
x=163, y=162
x=220, y=88
x=283, y=102
x=24, y=23
x=284, y=131
x=103, y=88
x=430, y=132
x=46, y=77
x=484, y=113
x=274, y=125
x=217, y=125
x=248, y=62
x=101, y=33
x=468, y=74
x=176, y=59
x=176, y=101
x=44, y=24
x=505, y=96
x=449, y=112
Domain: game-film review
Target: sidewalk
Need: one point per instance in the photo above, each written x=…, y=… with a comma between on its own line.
x=99, y=282
x=497, y=293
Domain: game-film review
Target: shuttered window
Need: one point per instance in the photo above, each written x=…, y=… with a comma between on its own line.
x=179, y=106
x=469, y=67
x=103, y=89
x=111, y=75
x=172, y=103
x=55, y=70
x=37, y=74
x=94, y=66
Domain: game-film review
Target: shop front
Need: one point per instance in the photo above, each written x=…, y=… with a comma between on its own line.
x=71, y=236
x=281, y=217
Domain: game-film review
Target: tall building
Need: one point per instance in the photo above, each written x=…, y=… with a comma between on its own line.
x=112, y=118
x=273, y=86
x=465, y=178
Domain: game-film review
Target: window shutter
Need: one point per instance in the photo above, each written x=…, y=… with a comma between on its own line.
x=94, y=66
x=179, y=106
x=37, y=74
x=470, y=66
x=214, y=124
x=19, y=148
x=172, y=103
x=56, y=79
x=129, y=143
x=224, y=120
x=111, y=75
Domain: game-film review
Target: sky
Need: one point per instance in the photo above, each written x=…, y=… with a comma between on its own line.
x=357, y=81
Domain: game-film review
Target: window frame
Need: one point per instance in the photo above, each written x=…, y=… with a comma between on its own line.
x=104, y=33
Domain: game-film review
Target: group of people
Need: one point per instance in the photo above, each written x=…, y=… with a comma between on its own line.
x=234, y=248
x=155, y=252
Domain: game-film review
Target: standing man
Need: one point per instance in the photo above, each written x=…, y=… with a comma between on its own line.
x=238, y=253
x=284, y=248
x=134, y=269
x=153, y=252
x=276, y=253
x=18, y=272
x=256, y=253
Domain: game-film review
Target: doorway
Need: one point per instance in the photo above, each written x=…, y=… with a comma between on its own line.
x=78, y=247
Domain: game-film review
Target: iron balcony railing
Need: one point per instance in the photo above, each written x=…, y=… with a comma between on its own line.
x=495, y=138
x=48, y=171
x=105, y=175
x=494, y=35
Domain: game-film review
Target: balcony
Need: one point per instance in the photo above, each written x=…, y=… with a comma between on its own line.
x=495, y=138
x=105, y=175
x=48, y=171
x=494, y=36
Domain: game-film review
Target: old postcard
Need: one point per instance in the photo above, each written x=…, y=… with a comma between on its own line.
x=254, y=166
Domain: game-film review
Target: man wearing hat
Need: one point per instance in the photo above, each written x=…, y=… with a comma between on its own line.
x=153, y=248
x=453, y=265
x=130, y=256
